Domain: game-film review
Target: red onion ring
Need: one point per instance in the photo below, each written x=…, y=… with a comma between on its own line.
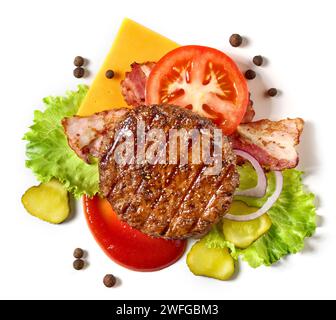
x=268, y=204
x=259, y=190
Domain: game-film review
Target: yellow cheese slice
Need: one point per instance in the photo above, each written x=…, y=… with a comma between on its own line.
x=134, y=43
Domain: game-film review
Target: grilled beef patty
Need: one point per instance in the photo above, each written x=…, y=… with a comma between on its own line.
x=173, y=201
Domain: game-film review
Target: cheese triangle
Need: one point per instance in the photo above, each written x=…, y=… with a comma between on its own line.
x=134, y=43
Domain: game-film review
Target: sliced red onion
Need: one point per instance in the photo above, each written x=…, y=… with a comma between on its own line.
x=268, y=204
x=259, y=190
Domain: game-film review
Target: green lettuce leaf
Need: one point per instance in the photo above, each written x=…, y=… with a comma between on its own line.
x=293, y=217
x=49, y=155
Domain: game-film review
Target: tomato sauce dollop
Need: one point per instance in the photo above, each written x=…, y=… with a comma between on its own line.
x=125, y=245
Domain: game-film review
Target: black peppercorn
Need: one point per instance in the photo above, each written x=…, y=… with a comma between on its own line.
x=78, y=72
x=109, y=74
x=236, y=40
x=78, y=264
x=79, y=61
x=258, y=60
x=250, y=74
x=109, y=281
x=272, y=92
x=78, y=253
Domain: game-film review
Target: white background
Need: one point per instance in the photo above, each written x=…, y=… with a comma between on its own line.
x=38, y=40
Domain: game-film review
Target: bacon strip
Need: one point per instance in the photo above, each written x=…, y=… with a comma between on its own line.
x=86, y=134
x=272, y=143
x=134, y=84
x=249, y=114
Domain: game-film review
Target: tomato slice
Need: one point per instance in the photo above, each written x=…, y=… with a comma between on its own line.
x=201, y=79
x=125, y=245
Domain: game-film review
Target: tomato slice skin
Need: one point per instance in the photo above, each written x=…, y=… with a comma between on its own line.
x=202, y=79
x=126, y=246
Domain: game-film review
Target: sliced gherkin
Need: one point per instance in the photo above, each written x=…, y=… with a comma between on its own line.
x=243, y=234
x=210, y=262
x=49, y=202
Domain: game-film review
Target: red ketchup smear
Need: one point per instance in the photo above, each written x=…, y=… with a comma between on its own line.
x=127, y=246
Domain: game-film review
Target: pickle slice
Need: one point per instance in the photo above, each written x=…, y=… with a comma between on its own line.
x=243, y=234
x=49, y=202
x=210, y=262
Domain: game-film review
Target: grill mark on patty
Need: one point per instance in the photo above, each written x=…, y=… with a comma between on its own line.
x=141, y=191
x=202, y=218
x=135, y=118
x=220, y=185
x=155, y=214
x=166, y=184
x=147, y=207
x=116, y=182
x=168, y=206
x=161, y=118
x=223, y=195
x=107, y=158
x=186, y=193
x=184, y=216
x=189, y=192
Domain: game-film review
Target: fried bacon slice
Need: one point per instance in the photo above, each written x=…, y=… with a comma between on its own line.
x=249, y=114
x=272, y=143
x=134, y=84
x=86, y=134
